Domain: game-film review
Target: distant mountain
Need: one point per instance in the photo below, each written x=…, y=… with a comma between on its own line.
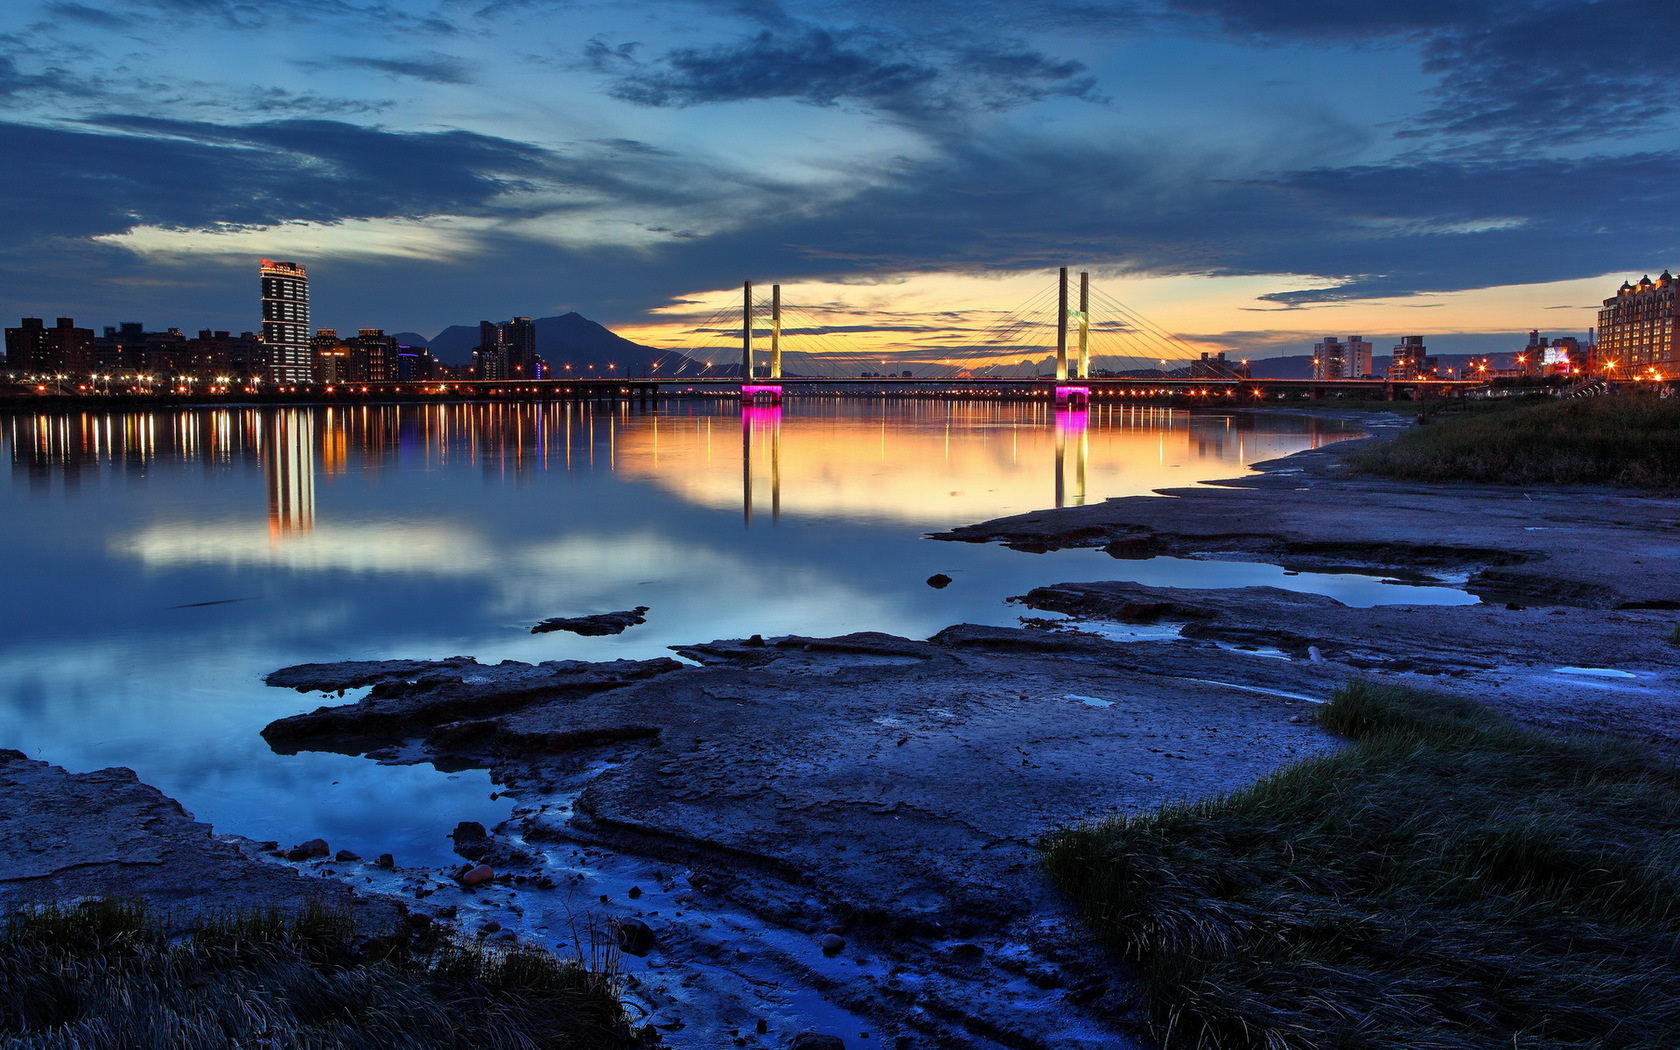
x=570, y=339
x=411, y=339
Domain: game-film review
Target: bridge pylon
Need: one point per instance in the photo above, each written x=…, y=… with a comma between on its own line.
x=754, y=392
x=1070, y=390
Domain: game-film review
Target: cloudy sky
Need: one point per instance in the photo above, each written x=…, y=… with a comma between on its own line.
x=1252, y=174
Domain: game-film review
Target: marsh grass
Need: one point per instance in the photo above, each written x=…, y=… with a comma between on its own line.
x=1451, y=881
x=1621, y=439
x=106, y=976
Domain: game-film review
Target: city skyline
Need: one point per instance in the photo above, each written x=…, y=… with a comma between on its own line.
x=1252, y=177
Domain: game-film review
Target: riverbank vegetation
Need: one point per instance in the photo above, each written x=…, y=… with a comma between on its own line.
x=1451, y=881
x=106, y=975
x=1615, y=439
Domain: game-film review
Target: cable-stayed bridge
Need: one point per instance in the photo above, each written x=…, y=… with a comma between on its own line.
x=1068, y=341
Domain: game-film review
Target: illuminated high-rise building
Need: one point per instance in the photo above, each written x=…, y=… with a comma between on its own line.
x=1639, y=330
x=285, y=316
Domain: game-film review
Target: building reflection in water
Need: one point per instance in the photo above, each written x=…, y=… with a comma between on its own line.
x=761, y=425
x=288, y=437
x=917, y=463
x=1073, y=427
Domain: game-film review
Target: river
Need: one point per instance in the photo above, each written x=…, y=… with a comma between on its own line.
x=159, y=562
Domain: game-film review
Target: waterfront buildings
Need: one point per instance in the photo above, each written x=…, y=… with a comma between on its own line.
x=508, y=350
x=32, y=348
x=1215, y=366
x=285, y=322
x=1335, y=359
x=1411, y=359
x=1637, y=330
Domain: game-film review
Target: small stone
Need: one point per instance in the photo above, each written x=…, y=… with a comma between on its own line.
x=757, y=641
x=634, y=893
x=268, y=847
x=838, y=928
x=308, y=850
x=634, y=935
x=832, y=943
x=762, y=1027
x=346, y=856
x=475, y=876
x=816, y=1041
x=386, y=861
x=1296, y=718
x=491, y=927
x=939, y=581
x=966, y=952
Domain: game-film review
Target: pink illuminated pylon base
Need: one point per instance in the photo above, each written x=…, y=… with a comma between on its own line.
x=1073, y=395
x=761, y=393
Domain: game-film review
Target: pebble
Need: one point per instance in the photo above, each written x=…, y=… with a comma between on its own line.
x=832, y=943
x=474, y=876
x=346, y=856
x=386, y=861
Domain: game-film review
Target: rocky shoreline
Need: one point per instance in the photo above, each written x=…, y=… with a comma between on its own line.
x=840, y=834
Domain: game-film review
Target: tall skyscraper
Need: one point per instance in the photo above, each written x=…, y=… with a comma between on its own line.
x=285, y=316
x=510, y=347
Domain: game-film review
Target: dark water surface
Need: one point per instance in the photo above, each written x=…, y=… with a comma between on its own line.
x=158, y=563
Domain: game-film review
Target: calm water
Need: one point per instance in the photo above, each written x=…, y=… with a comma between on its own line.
x=157, y=564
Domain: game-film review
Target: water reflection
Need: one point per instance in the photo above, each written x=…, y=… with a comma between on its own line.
x=761, y=425
x=1072, y=426
x=289, y=467
x=374, y=531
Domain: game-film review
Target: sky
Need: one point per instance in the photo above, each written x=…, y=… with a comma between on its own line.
x=1249, y=175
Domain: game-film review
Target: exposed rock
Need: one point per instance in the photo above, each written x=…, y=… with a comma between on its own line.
x=346, y=856
x=308, y=850
x=105, y=834
x=816, y=1041
x=634, y=936
x=402, y=706
x=832, y=943
x=596, y=625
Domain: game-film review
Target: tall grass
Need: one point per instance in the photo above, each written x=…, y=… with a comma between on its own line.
x=1629, y=440
x=104, y=976
x=1449, y=882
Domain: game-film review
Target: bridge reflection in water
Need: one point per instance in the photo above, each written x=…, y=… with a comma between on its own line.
x=923, y=465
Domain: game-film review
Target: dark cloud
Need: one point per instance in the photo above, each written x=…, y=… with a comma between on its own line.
x=1337, y=19
x=433, y=68
x=125, y=171
x=1538, y=71
x=824, y=67
x=280, y=100
x=94, y=16
x=16, y=84
x=1565, y=71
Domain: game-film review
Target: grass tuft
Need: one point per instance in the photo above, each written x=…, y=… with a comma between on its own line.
x=1451, y=882
x=106, y=975
x=1622, y=439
